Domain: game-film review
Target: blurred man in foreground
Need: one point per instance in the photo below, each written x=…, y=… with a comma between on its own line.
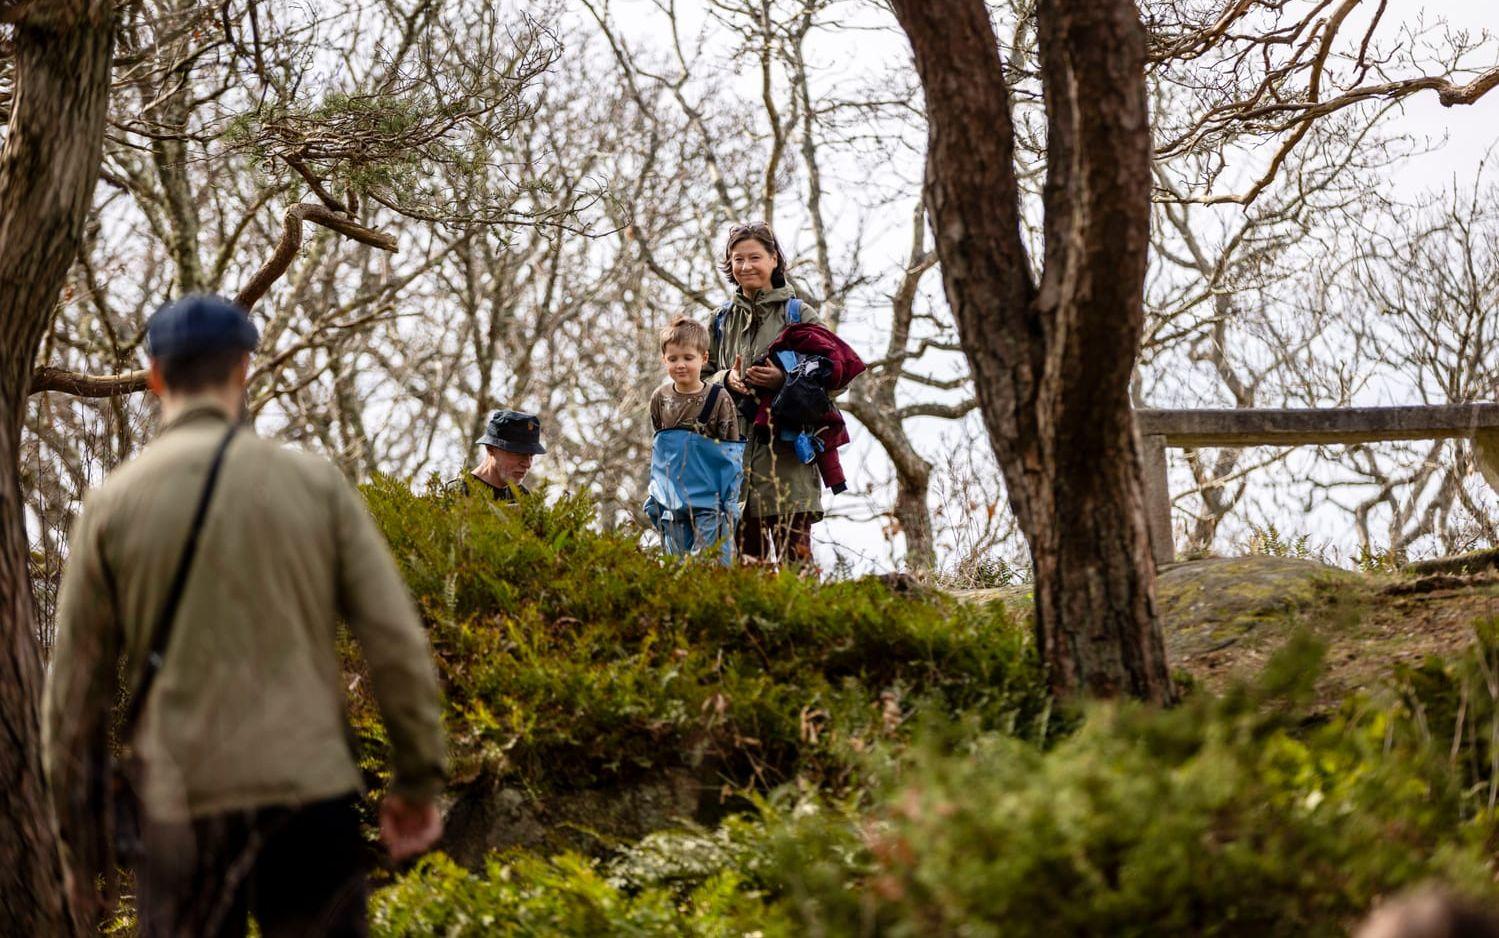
x=217, y=567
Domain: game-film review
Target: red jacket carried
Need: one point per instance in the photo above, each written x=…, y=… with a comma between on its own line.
x=831, y=432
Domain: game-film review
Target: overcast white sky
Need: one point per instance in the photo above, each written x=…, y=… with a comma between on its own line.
x=1458, y=137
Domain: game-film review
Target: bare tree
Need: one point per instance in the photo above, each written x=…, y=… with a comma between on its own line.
x=1275, y=69
x=1227, y=319
x=1418, y=303
x=48, y=169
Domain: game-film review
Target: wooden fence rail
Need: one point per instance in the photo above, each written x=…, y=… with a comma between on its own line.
x=1190, y=429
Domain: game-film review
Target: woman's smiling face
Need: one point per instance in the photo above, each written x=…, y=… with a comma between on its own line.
x=752, y=263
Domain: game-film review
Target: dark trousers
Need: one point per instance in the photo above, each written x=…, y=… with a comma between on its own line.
x=300, y=871
x=788, y=536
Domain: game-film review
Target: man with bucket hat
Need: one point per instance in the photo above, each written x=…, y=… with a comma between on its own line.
x=511, y=439
x=216, y=566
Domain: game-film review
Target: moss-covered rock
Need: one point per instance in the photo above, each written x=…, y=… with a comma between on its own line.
x=1209, y=605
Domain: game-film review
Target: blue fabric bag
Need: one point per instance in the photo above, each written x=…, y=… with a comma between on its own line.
x=689, y=470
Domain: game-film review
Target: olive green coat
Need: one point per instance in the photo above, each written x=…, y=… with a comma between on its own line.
x=775, y=483
x=248, y=709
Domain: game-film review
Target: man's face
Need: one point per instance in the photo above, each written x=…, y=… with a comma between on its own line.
x=512, y=466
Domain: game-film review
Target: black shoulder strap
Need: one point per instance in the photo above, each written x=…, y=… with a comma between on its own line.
x=713, y=391
x=162, y=632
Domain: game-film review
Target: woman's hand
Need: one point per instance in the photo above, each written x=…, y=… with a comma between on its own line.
x=766, y=377
x=732, y=379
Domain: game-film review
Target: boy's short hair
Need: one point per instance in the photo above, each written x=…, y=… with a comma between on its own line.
x=687, y=333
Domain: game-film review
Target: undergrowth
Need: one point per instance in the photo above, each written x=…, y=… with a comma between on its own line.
x=906, y=774
x=1230, y=815
x=571, y=658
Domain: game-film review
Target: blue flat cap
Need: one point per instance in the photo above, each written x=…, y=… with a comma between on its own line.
x=199, y=324
x=513, y=431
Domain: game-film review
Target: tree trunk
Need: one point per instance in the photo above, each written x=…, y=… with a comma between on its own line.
x=47, y=173
x=915, y=518
x=1052, y=361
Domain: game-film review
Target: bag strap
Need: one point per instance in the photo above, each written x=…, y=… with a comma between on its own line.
x=713, y=391
x=162, y=632
x=793, y=311
x=718, y=321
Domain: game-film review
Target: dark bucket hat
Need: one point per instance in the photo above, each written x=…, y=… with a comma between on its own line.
x=514, y=432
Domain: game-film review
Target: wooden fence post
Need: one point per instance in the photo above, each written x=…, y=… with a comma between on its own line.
x=1157, y=498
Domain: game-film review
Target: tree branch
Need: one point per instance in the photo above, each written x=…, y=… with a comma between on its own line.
x=47, y=378
x=291, y=241
x=944, y=411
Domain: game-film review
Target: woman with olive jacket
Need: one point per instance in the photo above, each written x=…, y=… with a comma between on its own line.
x=783, y=496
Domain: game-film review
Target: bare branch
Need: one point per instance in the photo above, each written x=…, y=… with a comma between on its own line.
x=47, y=378
x=291, y=241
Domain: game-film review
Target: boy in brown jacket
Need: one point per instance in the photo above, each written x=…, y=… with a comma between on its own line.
x=694, y=490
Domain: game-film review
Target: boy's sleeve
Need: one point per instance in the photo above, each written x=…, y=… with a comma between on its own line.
x=656, y=410
x=725, y=419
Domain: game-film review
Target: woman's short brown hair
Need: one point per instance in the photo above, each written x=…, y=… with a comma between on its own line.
x=761, y=232
x=685, y=332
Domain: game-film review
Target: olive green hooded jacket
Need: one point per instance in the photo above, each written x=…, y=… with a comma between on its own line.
x=248, y=708
x=775, y=483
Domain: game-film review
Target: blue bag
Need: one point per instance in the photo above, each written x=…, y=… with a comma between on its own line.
x=690, y=471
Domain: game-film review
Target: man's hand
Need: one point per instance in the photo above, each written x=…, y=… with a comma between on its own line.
x=766, y=377
x=408, y=828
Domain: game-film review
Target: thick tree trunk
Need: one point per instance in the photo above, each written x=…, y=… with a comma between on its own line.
x=1052, y=361
x=47, y=174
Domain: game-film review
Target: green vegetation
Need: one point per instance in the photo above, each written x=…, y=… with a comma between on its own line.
x=900, y=771
x=572, y=659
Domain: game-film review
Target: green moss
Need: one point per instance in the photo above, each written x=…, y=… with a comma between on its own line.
x=1208, y=605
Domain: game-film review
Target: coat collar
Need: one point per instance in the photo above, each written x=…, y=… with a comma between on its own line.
x=764, y=299
x=195, y=409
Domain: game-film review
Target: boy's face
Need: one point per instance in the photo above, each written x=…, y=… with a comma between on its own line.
x=684, y=365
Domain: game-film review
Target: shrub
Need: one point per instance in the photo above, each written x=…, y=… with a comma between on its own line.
x=1226, y=816
x=571, y=658
x=1231, y=815
x=567, y=896
x=1454, y=710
